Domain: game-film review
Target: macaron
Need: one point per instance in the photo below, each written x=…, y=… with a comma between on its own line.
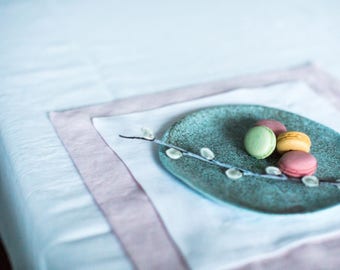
x=297, y=164
x=293, y=140
x=276, y=126
x=260, y=142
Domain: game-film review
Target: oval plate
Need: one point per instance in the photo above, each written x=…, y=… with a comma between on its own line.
x=222, y=129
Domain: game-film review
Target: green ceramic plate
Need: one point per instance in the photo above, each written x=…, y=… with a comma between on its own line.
x=222, y=129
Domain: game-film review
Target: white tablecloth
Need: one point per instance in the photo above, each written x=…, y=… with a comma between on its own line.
x=56, y=55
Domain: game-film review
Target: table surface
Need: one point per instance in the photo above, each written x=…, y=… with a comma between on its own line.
x=58, y=55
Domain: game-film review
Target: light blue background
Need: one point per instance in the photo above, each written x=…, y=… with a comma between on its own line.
x=63, y=54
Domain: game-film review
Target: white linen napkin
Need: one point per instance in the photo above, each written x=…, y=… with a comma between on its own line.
x=216, y=235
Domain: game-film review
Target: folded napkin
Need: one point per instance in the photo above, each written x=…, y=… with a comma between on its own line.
x=214, y=235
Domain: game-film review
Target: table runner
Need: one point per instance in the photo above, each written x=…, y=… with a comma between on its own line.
x=110, y=182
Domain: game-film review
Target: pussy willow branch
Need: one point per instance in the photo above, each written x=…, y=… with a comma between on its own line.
x=218, y=163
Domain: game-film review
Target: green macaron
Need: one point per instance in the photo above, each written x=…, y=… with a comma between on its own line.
x=260, y=142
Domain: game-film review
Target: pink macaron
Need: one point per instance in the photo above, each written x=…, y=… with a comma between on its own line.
x=276, y=126
x=298, y=164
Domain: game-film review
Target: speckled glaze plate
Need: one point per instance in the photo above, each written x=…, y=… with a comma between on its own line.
x=222, y=129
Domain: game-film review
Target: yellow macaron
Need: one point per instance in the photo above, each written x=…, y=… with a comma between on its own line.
x=293, y=140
